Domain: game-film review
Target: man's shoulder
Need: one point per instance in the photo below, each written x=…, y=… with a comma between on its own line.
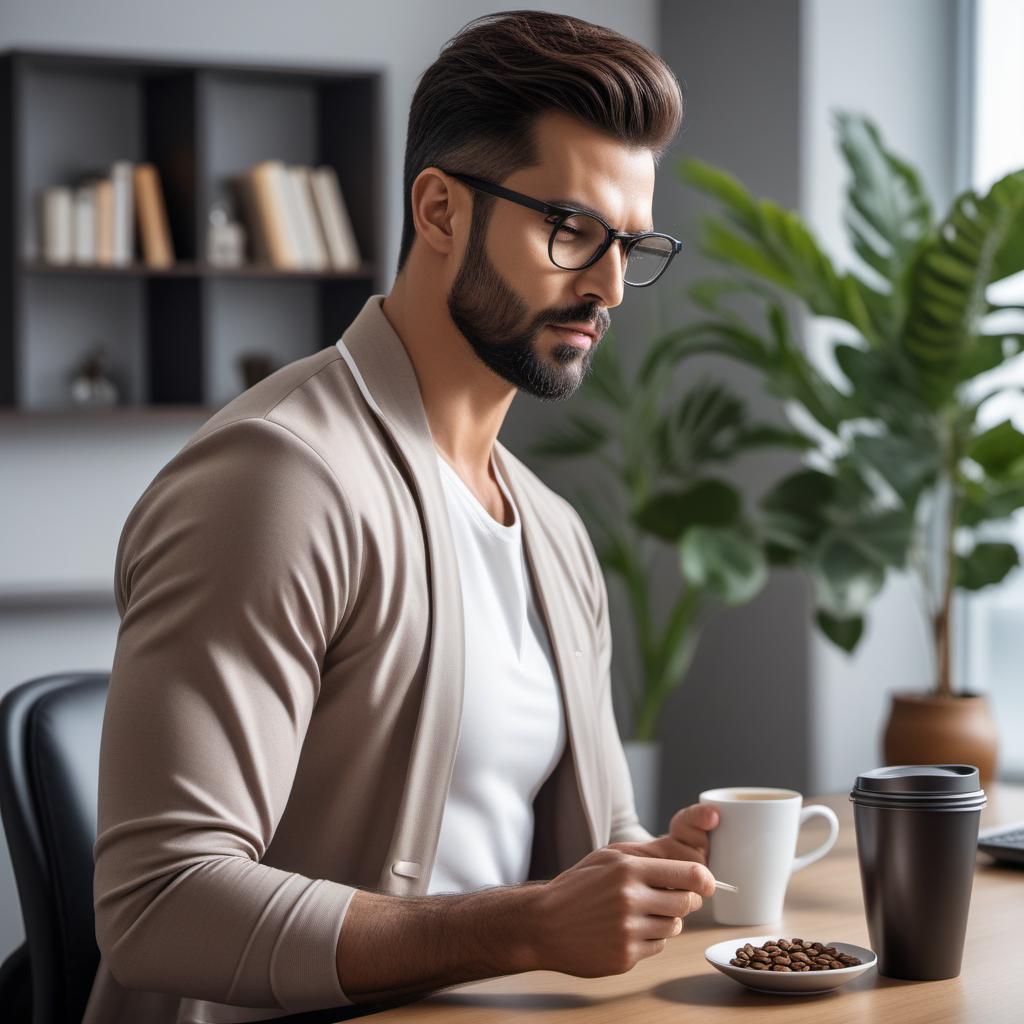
x=314, y=399
x=290, y=395
x=275, y=437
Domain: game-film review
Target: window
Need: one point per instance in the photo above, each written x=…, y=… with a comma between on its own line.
x=992, y=621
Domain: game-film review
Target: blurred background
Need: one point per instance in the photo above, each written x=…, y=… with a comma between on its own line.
x=767, y=698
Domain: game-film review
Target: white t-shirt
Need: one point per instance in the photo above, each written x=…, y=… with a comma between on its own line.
x=512, y=732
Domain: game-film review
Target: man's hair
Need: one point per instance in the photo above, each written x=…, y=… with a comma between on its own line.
x=475, y=107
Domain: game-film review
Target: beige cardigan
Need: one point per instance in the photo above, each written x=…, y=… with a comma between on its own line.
x=286, y=690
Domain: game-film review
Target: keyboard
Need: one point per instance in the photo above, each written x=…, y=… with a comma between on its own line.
x=1005, y=843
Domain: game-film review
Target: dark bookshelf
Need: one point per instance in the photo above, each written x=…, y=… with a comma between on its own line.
x=173, y=335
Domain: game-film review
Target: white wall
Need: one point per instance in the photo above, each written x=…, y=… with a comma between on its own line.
x=69, y=485
x=894, y=62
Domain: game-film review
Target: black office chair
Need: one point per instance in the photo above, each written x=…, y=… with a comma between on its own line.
x=49, y=769
x=49, y=776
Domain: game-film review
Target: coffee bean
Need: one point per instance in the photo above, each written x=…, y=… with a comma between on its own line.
x=789, y=956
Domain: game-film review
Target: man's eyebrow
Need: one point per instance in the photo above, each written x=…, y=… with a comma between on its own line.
x=577, y=205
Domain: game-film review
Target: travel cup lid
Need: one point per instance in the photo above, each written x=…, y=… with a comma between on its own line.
x=920, y=779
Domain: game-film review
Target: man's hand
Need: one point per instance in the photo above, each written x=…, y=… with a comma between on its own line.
x=612, y=909
x=687, y=837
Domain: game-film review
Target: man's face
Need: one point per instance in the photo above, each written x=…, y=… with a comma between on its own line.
x=507, y=294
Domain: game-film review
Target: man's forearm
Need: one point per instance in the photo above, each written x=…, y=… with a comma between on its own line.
x=393, y=946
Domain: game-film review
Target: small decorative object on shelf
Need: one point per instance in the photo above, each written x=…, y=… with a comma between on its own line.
x=254, y=366
x=91, y=386
x=225, y=237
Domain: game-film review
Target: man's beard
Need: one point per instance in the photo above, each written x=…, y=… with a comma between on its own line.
x=489, y=315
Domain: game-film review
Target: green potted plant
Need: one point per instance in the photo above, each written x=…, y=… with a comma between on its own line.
x=658, y=489
x=902, y=475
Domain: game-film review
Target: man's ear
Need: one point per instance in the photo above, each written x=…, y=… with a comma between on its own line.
x=437, y=209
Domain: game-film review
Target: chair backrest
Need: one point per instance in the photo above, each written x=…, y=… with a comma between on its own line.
x=49, y=772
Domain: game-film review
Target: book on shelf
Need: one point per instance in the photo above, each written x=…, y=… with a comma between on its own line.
x=341, y=239
x=123, y=232
x=296, y=217
x=98, y=220
x=57, y=224
x=103, y=189
x=154, y=232
x=314, y=245
x=84, y=230
x=271, y=191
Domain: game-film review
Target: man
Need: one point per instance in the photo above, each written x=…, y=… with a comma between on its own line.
x=359, y=743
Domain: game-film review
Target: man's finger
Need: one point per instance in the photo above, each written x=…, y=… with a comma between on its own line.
x=695, y=837
x=666, y=847
x=685, y=851
x=702, y=816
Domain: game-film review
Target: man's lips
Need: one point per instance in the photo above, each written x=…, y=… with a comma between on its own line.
x=573, y=337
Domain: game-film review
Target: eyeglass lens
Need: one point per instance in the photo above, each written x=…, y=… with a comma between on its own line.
x=580, y=236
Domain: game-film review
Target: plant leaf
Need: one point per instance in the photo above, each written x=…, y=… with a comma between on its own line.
x=669, y=514
x=889, y=214
x=998, y=448
x=906, y=464
x=580, y=436
x=793, y=511
x=774, y=244
x=845, y=579
x=989, y=500
x=844, y=633
x=948, y=281
x=726, y=561
x=988, y=563
x=766, y=434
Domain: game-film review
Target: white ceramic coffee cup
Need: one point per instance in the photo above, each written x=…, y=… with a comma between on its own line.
x=754, y=848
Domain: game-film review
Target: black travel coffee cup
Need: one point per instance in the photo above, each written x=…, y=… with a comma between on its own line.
x=917, y=840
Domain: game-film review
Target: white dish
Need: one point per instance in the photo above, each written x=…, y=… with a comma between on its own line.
x=779, y=982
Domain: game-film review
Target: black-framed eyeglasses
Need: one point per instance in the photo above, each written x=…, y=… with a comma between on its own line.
x=579, y=239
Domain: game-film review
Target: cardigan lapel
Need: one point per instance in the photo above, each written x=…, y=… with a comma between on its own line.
x=567, y=644
x=390, y=379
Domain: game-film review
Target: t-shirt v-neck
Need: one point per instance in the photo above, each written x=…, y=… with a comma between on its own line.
x=491, y=550
x=512, y=729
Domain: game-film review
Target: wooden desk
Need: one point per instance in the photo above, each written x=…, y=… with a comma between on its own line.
x=823, y=902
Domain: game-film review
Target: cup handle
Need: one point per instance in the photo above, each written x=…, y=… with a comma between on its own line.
x=830, y=840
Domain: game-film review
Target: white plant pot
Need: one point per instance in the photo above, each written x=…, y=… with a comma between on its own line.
x=644, y=760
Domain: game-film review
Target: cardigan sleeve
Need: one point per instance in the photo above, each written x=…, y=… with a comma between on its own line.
x=233, y=574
